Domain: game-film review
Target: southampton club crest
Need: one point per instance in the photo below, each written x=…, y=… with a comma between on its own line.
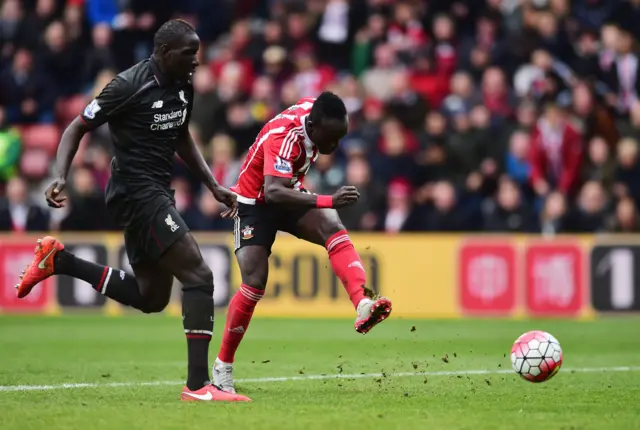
x=247, y=232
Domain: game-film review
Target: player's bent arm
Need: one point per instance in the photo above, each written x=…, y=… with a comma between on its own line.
x=191, y=155
x=277, y=191
x=69, y=143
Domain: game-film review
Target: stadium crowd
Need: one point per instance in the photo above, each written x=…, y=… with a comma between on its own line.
x=494, y=115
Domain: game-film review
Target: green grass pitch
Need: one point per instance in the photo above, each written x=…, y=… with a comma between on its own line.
x=403, y=375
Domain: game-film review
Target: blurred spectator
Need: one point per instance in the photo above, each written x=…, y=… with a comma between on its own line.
x=12, y=28
x=468, y=146
x=508, y=213
x=327, y=175
x=625, y=218
x=405, y=104
x=463, y=95
x=224, y=165
x=397, y=216
x=101, y=56
x=590, y=213
x=377, y=80
x=592, y=118
x=26, y=91
x=556, y=152
x=336, y=29
x=627, y=175
x=599, y=165
x=396, y=146
x=206, y=215
x=310, y=77
x=35, y=22
x=61, y=60
x=622, y=76
x=405, y=33
x=362, y=215
x=444, y=213
x=554, y=215
x=17, y=213
x=495, y=94
x=85, y=205
x=517, y=162
x=208, y=105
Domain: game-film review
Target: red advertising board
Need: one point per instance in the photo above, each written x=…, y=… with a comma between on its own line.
x=487, y=278
x=554, y=279
x=13, y=258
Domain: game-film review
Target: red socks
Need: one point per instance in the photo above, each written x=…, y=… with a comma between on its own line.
x=347, y=265
x=239, y=315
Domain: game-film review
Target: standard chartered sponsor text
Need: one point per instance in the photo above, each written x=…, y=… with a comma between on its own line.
x=165, y=121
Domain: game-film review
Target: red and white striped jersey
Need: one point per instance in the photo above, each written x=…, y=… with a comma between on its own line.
x=281, y=149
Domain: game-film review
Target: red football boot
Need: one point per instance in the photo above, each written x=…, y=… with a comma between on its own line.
x=41, y=267
x=210, y=393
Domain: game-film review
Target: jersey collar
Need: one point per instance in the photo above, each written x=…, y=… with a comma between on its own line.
x=161, y=78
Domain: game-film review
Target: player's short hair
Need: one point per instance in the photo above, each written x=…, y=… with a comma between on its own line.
x=171, y=33
x=327, y=106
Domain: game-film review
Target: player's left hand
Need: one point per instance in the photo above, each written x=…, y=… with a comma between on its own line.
x=225, y=196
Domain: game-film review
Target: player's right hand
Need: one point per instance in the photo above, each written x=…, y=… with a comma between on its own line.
x=345, y=196
x=229, y=198
x=54, y=199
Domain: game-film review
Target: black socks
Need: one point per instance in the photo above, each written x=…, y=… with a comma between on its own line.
x=197, y=319
x=113, y=283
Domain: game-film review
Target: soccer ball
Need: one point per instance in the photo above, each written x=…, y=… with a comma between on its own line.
x=536, y=356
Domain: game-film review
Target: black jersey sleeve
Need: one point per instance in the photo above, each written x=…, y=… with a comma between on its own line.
x=112, y=100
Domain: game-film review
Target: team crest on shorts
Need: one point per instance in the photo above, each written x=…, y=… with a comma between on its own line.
x=247, y=232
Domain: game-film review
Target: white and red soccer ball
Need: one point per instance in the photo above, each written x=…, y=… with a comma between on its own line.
x=536, y=356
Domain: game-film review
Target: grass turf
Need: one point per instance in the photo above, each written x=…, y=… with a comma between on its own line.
x=133, y=349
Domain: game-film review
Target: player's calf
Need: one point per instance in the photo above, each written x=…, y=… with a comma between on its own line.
x=348, y=267
x=239, y=315
x=52, y=259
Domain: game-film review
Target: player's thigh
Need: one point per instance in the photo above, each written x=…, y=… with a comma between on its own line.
x=254, y=232
x=316, y=225
x=184, y=260
x=253, y=262
x=155, y=282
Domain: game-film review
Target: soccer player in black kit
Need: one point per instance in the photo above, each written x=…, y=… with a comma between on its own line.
x=147, y=108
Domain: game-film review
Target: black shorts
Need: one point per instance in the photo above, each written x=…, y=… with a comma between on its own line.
x=259, y=224
x=149, y=217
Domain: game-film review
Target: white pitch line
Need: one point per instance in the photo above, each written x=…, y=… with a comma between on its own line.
x=14, y=388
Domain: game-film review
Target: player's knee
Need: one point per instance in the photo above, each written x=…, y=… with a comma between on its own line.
x=255, y=278
x=329, y=228
x=196, y=275
x=203, y=275
x=153, y=307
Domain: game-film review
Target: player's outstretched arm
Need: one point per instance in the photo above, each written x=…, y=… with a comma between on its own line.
x=277, y=191
x=191, y=155
x=67, y=149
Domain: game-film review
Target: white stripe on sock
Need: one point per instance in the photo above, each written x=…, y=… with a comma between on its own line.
x=250, y=295
x=210, y=333
x=337, y=241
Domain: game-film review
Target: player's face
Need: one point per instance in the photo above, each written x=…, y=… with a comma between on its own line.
x=182, y=60
x=327, y=134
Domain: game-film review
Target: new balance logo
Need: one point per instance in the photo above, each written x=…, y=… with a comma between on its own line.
x=356, y=264
x=171, y=223
x=157, y=104
x=238, y=329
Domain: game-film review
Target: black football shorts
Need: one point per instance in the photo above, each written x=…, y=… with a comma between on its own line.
x=149, y=217
x=257, y=225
